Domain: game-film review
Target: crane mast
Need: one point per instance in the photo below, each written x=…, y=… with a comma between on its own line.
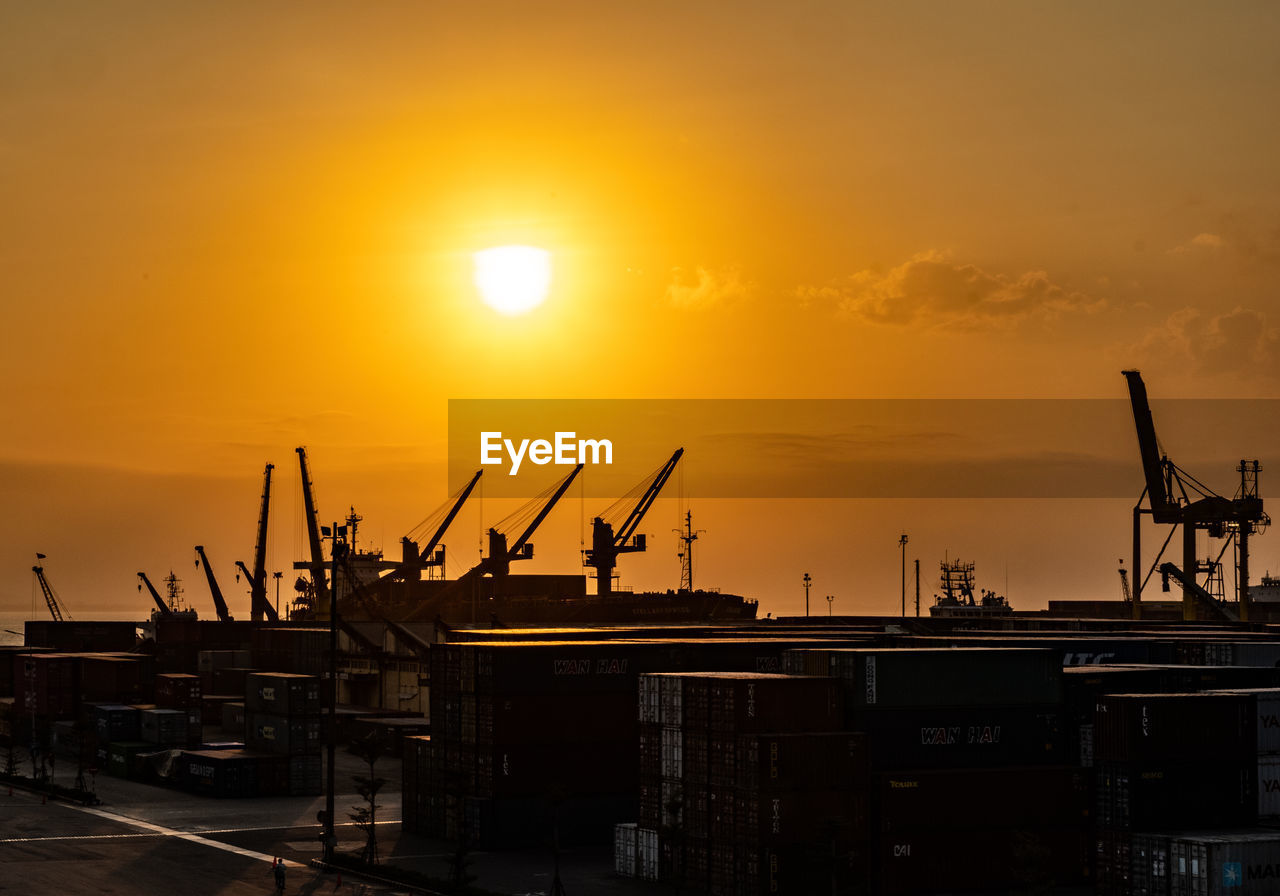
x=313, y=533
x=258, y=580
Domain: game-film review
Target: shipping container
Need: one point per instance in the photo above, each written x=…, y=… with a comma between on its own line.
x=1147, y=796
x=45, y=684
x=233, y=717
x=220, y=773
x=113, y=721
x=648, y=854
x=837, y=761
x=178, y=691
x=282, y=694
x=794, y=817
x=1149, y=865
x=745, y=702
x=997, y=799
x=1225, y=863
x=163, y=727
x=114, y=678
x=1174, y=728
x=624, y=849
x=971, y=858
x=963, y=737
x=232, y=680
x=961, y=676
x=282, y=735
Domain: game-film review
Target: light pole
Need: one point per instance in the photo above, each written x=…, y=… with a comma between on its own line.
x=830, y=598
x=807, y=582
x=903, y=542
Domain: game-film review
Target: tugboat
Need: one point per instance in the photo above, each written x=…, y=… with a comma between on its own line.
x=957, y=598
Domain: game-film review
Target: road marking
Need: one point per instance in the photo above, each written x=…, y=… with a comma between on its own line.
x=76, y=837
x=155, y=829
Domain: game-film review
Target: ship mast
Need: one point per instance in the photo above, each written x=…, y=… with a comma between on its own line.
x=688, y=535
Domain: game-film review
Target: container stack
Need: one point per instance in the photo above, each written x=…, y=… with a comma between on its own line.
x=413, y=795
x=282, y=719
x=1165, y=762
x=175, y=691
x=941, y=724
x=747, y=785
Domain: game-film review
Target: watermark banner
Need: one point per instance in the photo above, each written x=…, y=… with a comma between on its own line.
x=850, y=448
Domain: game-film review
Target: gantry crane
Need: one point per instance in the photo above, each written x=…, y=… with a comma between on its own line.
x=219, y=604
x=606, y=544
x=50, y=596
x=1177, y=498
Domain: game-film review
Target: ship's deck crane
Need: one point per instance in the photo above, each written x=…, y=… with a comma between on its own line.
x=417, y=559
x=606, y=545
x=1175, y=497
x=155, y=595
x=219, y=604
x=50, y=596
x=317, y=564
x=501, y=556
x=259, y=606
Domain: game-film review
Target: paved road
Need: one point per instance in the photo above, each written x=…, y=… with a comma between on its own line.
x=156, y=840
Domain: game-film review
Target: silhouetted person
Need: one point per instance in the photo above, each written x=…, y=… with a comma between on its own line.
x=278, y=870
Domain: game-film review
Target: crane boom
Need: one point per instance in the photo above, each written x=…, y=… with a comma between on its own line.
x=267, y=608
x=448, y=520
x=50, y=596
x=313, y=532
x=412, y=564
x=219, y=604
x=516, y=548
x=1164, y=509
x=258, y=606
x=606, y=545
x=155, y=595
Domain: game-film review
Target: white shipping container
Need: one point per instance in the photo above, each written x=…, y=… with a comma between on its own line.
x=672, y=701
x=1269, y=787
x=647, y=854
x=649, y=689
x=672, y=754
x=624, y=849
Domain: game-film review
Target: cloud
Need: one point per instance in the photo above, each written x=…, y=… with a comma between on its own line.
x=1242, y=340
x=704, y=288
x=931, y=286
x=1201, y=241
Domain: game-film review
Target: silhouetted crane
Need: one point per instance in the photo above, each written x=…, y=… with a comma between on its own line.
x=155, y=595
x=50, y=596
x=1175, y=497
x=606, y=545
x=219, y=604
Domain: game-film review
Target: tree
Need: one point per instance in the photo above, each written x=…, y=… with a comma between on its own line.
x=369, y=749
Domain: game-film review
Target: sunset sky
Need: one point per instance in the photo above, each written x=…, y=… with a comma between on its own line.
x=234, y=229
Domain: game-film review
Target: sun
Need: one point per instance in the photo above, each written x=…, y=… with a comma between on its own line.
x=513, y=279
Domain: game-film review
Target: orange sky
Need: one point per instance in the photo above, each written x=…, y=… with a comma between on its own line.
x=231, y=231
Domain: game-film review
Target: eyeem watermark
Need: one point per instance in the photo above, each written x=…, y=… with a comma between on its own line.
x=565, y=449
